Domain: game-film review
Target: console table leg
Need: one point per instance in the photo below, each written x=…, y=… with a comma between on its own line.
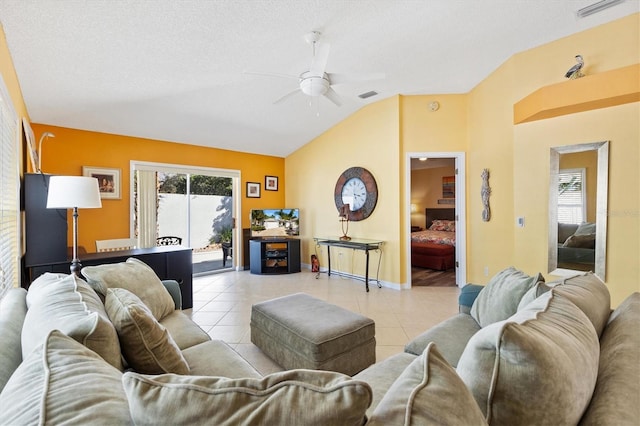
x=366, y=272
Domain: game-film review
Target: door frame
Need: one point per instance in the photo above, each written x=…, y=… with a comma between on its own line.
x=187, y=169
x=461, y=216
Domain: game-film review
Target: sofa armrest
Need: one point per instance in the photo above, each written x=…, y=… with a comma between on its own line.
x=467, y=296
x=173, y=288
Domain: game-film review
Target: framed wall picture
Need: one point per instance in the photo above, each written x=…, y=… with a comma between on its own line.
x=448, y=187
x=271, y=183
x=108, y=181
x=253, y=190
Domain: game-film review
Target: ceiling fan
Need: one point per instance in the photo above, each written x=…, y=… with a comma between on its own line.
x=316, y=82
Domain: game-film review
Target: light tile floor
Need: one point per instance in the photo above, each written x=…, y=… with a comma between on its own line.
x=222, y=307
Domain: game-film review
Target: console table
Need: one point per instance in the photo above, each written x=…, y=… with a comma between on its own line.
x=168, y=262
x=354, y=244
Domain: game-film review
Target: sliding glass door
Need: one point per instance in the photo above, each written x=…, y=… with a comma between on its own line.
x=194, y=206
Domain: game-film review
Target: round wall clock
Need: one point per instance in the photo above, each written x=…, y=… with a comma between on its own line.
x=356, y=187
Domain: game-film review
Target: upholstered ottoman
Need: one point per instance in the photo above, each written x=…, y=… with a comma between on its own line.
x=300, y=331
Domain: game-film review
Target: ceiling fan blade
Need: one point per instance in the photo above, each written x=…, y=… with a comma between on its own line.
x=333, y=97
x=336, y=78
x=271, y=74
x=319, y=62
x=287, y=96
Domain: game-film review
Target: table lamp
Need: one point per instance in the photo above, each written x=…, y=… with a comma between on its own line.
x=74, y=192
x=344, y=218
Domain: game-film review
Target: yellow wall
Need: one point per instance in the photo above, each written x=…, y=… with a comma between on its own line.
x=71, y=149
x=369, y=139
x=524, y=163
x=481, y=124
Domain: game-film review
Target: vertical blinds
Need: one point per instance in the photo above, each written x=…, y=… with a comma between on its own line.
x=9, y=193
x=571, y=196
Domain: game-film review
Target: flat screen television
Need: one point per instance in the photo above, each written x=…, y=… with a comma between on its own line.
x=275, y=223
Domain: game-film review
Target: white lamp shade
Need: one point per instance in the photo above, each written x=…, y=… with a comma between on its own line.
x=67, y=192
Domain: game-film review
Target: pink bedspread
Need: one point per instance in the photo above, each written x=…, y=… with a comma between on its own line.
x=435, y=237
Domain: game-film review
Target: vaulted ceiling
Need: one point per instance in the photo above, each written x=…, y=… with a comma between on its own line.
x=177, y=70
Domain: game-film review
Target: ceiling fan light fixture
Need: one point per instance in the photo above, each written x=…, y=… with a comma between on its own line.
x=597, y=7
x=314, y=85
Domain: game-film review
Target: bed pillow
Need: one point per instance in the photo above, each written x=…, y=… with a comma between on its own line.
x=501, y=296
x=295, y=397
x=146, y=344
x=423, y=395
x=135, y=276
x=63, y=382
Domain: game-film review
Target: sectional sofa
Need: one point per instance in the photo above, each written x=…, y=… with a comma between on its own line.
x=113, y=349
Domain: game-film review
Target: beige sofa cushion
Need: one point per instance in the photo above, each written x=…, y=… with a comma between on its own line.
x=135, y=276
x=67, y=303
x=295, y=397
x=13, y=309
x=146, y=344
x=501, y=296
x=616, y=400
x=381, y=376
x=538, y=367
x=63, y=382
x=217, y=358
x=184, y=331
x=591, y=295
x=428, y=392
x=451, y=336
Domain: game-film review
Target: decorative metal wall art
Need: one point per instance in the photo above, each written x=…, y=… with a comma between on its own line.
x=485, y=192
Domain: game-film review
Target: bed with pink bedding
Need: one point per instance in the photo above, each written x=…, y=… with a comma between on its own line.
x=434, y=248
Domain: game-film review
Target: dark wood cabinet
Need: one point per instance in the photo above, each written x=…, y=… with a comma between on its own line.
x=168, y=262
x=45, y=229
x=275, y=256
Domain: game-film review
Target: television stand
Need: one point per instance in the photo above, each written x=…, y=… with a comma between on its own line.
x=274, y=255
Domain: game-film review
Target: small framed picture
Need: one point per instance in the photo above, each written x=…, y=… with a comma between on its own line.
x=108, y=181
x=253, y=190
x=271, y=183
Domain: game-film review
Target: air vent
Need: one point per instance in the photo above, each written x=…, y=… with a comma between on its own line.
x=368, y=94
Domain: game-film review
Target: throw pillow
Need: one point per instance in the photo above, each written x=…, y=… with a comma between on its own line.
x=586, y=228
x=533, y=293
x=146, y=344
x=63, y=382
x=587, y=241
x=67, y=303
x=428, y=392
x=13, y=309
x=295, y=397
x=538, y=367
x=135, y=276
x=501, y=296
x=616, y=399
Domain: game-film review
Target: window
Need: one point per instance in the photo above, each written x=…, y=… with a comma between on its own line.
x=572, y=198
x=9, y=194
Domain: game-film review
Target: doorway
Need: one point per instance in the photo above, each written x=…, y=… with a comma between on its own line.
x=446, y=190
x=195, y=205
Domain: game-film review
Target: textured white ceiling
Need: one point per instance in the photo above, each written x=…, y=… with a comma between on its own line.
x=173, y=70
